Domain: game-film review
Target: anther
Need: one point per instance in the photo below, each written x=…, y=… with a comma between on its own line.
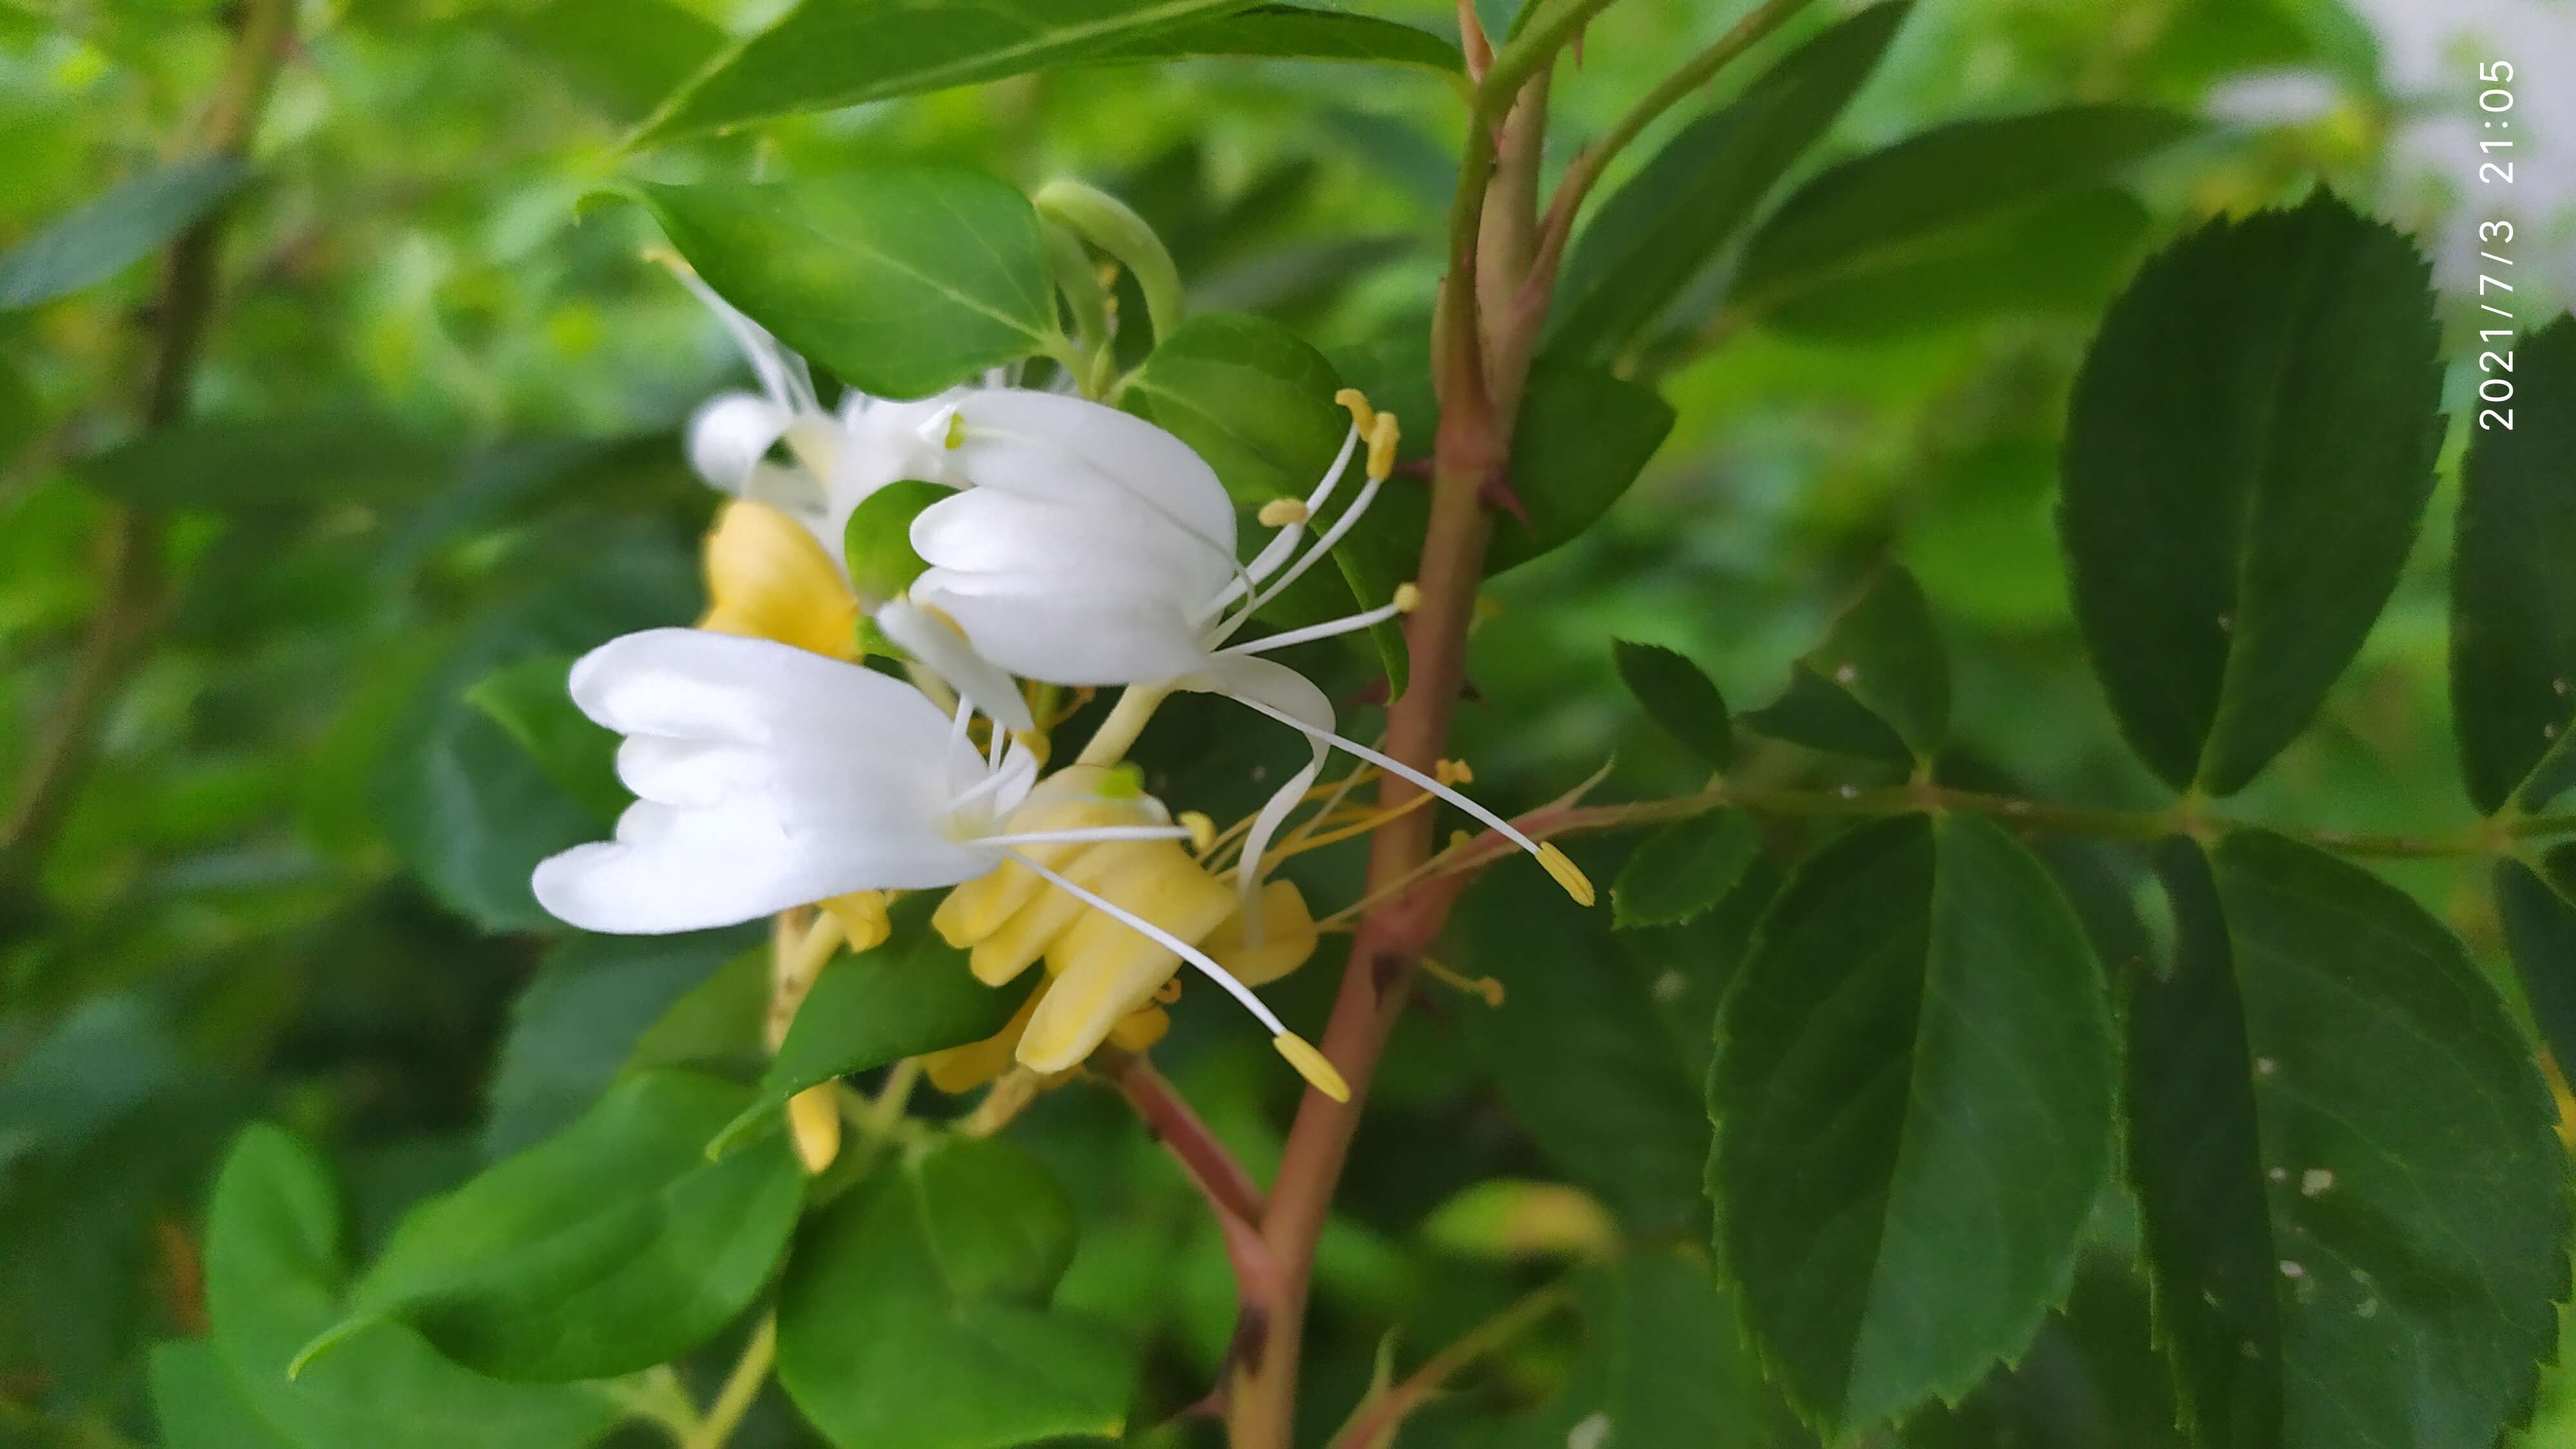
x=1383, y=435
x=1567, y=874
x=1407, y=598
x=1311, y=1065
x=1363, y=417
x=1281, y=512
x=1202, y=830
x=1453, y=772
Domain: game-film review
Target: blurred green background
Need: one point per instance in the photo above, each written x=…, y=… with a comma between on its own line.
x=292, y=887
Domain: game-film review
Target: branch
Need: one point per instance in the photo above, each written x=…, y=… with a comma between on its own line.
x=134, y=596
x=1229, y=1190
x=1374, y=1426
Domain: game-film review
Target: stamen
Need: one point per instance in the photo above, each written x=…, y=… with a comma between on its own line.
x=1087, y=834
x=1329, y=628
x=1323, y=545
x=1454, y=772
x=1278, y=550
x=1361, y=826
x=1202, y=830
x=1383, y=438
x=1281, y=512
x=1309, y=1062
x=1363, y=417
x=1485, y=987
x=1549, y=857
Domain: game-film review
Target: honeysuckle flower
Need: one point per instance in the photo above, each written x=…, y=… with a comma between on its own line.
x=1093, y=548
x=769, y=777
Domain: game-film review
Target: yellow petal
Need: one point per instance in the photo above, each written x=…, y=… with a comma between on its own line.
x=864, y=923
x=964, y=1068
x=1288, y=937
x=814, y=1120
x=1106, y=969
x=768, y=578
x=1138, y=1030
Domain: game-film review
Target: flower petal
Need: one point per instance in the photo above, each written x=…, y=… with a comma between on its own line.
x=1016, y=439
x=731, y=433
x=1086, y=638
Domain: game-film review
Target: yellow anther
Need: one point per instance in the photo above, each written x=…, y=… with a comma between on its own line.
x=1408, y=598
x=1202, y=830
x=1168, y=993
x=1383, y=436
x=1281, y=512
x=1311, y=1065
x=1485, y=988
x=1567, y=874
x=956, y=431
x=1454, y=772
x=1363, y=416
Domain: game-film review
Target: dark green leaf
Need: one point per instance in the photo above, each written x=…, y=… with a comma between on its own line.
x=1669, y=223
x=1878, y=687
x=1580, y=1056
x=1883, y=212
x=1294, y=32
x=914, y=994
x=1913, y=1090
x=583, y=1016
x=111, y=1055
x=1677, y=696
x=1662, y=1363
x=825, y=54
x=2541, y=934
x=900, y=279
x=273, y=1273
x=2513, y=597
x=603, y=1251
x=2247, y=456
x=877, y=542
x=1256, y=401
x=291, y=461
x=198, y=1403
x=1583, y=437
x=916, y=1311
x=2355, y=1210
x=2092, y=1380
x=2540, y=931
x=1685, y=869
x=622, y=55
x=529, y=698
x=2065, y=255
x=116, y=231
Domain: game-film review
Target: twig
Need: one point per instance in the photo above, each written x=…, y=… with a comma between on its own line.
x=121, y=632
x=1374, y=1426
x=741, y=1388
x=1219, y=1178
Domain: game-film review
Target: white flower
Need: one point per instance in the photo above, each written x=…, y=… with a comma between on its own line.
x=1093, y=548
x=836, y=459
x=769, y=777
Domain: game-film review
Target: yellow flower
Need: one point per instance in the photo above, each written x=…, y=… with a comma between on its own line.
x=1103, y=977
x=769, y=579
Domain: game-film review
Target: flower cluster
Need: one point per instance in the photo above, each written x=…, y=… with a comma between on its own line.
x=1076, y=546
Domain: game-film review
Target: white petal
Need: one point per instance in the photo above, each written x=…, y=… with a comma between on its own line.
x=1011, y=431
x=693, y=684
x=1115, y=547
x=730, y=433
x=950, y=655
x=1095, y=638
x=691, y=870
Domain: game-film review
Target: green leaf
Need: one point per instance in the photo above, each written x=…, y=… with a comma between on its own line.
x=1879, y=685
x=1580, y=1056
x=1685, y=869
x=117, y=230
x=623, y=56
x=197, y=1402
x=826, y=54
x=916, y=1313
x=1294, y=32
x=1662, y=1363
x=911, y=995
x=586, y=1013
x=316, y=460
x=2063, y=255
x=2513, y=598
x=531, y=700
x=1584, y=435
x=106, y=1058
x=1677, y=696
x=272, y=1281
x=2540, y=934
x=1876, y=215
x=466, y=807
x=2248, y=452
x=603, y=1251
x=2355, y=1209
x=877, y=542
x=1913, y=1090
x=1669, y=223
x=900, y=279
x=1256, y=401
